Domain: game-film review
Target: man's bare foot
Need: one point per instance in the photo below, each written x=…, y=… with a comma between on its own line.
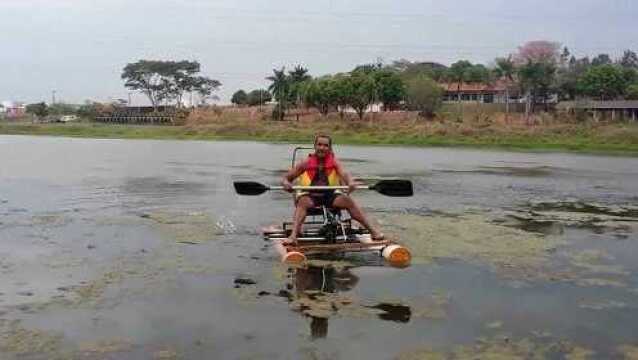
x=290, y=241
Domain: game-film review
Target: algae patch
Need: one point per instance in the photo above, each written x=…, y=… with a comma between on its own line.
x=18, y=341
x=629, y=352
x=105, y=347
x=579, y=214
x=504, y=348
x=602, y=305
x=595, y=262
x=187, y=228
x=473, y=238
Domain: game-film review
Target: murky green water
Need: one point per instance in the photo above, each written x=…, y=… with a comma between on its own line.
x=113, y=249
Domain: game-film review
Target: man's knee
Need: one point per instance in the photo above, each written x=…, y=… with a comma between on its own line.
x=343, y=201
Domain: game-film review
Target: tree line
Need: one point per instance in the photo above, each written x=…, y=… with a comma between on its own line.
x=539, y=71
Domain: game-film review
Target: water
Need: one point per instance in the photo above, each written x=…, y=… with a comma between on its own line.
x=131, y=249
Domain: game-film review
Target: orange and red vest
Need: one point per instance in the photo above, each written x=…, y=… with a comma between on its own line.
x=314, y=168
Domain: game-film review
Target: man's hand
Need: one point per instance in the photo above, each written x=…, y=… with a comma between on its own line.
x=352, y=186
x=287, y=186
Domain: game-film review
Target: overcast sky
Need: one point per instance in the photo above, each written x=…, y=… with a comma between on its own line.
x=79, y=47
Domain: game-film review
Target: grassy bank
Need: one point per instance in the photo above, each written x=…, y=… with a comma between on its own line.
x=392, y=129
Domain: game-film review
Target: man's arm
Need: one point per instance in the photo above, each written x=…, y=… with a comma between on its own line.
x=292, y=174
x=345, y=176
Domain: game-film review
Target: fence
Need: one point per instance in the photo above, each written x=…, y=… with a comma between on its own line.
x=146, y=115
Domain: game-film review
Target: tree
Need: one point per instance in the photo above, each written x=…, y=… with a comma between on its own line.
x=280, y=89
x=204, y=87
x=89, y=109
x=605, y=82
x=478, y=74
x=239, y=98
x=321, y=94
x=409, y=70
x=537, y=64
x=536, y=80
x=565, y=56
x=297, y=77
x=424, y=95
x=506, y=69
x=362, y=92
x=568, y=75
x=299, y=74
x=40, y=110
x=62, y=109
x=390, y=88
x=458, y=73
x=258, y=97
x=629, y=60
x=602, y=59
x=537, y=52
x=632, y=92
x=165, y=81
x=630, y=75
x=341, y=88
x=368, y=68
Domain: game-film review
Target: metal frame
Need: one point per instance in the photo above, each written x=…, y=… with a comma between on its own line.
x=312, y=232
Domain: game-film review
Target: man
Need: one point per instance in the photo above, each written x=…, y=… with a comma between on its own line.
x=323, y=169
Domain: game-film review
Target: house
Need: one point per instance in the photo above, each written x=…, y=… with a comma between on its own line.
x=372, y=108
x=13, y=110
x=614, y=109
x=480, y=93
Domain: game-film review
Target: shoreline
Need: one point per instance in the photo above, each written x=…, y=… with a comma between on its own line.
x=571, y=143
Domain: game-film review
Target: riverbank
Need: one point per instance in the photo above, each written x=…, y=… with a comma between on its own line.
x=488, y=132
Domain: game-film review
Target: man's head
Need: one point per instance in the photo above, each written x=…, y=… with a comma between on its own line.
x=323, y=145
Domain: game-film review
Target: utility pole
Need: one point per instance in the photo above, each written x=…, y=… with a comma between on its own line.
x=53, y=97
x=129, y=99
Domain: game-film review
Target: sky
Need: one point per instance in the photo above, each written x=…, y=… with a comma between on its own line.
x=78, y=48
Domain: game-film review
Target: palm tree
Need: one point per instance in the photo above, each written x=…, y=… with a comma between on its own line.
x=505, y=68
x=280, y=89
x=298, y=76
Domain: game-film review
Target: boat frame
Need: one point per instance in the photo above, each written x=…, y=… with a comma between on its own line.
x=327, y=231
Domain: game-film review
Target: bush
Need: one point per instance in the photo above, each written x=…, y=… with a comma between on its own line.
x=632, y=92
x=424, y=95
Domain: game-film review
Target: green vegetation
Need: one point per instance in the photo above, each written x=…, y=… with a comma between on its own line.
x=253, y=98
x=40, y=110
x=424, y=96
x=408, y=129
x=538, y=72
x=603, y=82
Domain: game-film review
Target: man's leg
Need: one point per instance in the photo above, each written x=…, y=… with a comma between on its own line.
x=346, y=202
x=303, y=204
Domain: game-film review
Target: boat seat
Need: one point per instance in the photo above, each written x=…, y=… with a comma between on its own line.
x=318, y=211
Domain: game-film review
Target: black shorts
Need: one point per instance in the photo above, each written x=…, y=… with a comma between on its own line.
x=323, y=198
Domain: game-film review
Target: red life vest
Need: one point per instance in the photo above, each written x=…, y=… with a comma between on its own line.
x=313, y=169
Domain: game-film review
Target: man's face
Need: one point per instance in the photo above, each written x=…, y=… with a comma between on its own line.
x=322, y=147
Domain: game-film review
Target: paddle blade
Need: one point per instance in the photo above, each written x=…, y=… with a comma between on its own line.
x=250, y=188
x=394, y=188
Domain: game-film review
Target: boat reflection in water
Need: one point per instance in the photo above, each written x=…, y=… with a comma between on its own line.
x=317, y=294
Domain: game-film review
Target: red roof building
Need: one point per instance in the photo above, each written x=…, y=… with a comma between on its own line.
x=478, y=92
